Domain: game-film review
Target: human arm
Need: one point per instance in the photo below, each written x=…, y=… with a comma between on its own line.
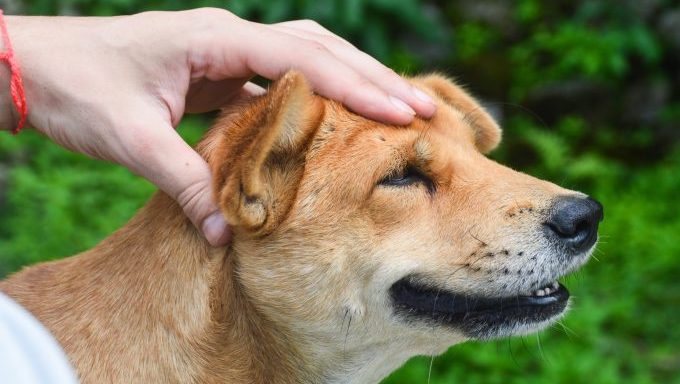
x=115, y=88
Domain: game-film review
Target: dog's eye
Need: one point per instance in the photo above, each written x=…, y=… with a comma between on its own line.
x=406, y=177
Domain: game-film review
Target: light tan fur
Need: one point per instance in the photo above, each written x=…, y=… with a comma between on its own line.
x=300, y=296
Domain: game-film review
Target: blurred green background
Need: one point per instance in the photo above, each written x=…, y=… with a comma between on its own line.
x=588, y=95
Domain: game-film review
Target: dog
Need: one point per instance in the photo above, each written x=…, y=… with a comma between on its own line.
x=356, y=246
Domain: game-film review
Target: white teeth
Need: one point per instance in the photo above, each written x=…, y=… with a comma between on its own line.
x=546, y=290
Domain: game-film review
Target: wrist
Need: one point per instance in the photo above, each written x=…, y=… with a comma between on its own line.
x=8, y=115
x=13, y=111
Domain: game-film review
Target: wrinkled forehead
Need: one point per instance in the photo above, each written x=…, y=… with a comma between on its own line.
x=448, y=131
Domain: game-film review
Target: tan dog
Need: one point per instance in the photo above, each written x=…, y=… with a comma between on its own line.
x=356, y=246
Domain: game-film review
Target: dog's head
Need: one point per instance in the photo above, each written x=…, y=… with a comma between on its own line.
x=360, y=233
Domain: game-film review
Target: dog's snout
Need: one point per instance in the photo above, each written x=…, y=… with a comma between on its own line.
x=574, y=221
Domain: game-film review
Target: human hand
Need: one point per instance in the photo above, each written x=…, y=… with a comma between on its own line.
x=115, y=88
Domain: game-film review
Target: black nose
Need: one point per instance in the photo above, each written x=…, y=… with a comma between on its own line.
x=574, y=221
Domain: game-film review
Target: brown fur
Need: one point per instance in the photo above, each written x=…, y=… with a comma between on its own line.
x=300, y=294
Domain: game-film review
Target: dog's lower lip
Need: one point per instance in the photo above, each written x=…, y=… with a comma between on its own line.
x=418, y=298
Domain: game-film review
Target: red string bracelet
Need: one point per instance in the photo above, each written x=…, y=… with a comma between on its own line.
x=16, y=86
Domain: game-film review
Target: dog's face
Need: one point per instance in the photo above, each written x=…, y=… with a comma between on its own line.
x=353, y=232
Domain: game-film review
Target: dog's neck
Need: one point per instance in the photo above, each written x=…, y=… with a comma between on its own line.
x=179, y=283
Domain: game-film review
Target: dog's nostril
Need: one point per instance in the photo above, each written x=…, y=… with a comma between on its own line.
x=567, y=229
x=574, y=221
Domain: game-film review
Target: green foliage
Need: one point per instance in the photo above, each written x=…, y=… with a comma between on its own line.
x=576, y=50
x=587, y=92
x=59, y=203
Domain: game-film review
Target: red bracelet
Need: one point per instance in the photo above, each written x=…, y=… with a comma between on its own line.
x=16, y=86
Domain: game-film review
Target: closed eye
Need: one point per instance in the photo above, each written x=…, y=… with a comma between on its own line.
x=406, y=177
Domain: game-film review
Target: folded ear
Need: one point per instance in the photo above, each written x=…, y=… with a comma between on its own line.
x=487, y=131
x=258, y=156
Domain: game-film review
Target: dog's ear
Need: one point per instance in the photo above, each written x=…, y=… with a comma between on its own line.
x=258, y=157
x=487, y=131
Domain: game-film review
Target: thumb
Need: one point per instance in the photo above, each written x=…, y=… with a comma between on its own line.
x=160, y=155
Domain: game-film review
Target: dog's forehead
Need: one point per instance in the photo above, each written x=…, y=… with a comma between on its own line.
x=447, y=126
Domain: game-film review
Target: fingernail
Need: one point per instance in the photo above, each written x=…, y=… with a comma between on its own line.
x=215, y=229
x=400, y=105
x=422, y=96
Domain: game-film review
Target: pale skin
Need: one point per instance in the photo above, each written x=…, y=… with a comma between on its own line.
x=115, y=88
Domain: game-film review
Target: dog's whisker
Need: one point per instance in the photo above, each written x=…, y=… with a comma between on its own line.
x=525, y=346
x=342, y=324
x=429, y=371
x=540, y=348
x=567, y=331
x=434, y=310
x=512, y=354
x=522, y=108
x=469, y=232
x=344, y=347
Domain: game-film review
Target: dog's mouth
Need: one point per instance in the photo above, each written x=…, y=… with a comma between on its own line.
x=479, y=317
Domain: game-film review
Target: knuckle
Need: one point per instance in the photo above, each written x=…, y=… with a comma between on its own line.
x=364, y=82
x=389, y=73
x=330, y=40
x=211, y=20
x=191, y=199
x=315, y=46
x=205, y=24
x=212, y=13
x=311, y=50
x=312, y=24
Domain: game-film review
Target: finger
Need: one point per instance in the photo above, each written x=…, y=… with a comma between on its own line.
x=159, y=154
x=207, y=95
x=329, y=77
x=313, y=27
x=258, y=49
x=364, y=64
x=252, y=90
